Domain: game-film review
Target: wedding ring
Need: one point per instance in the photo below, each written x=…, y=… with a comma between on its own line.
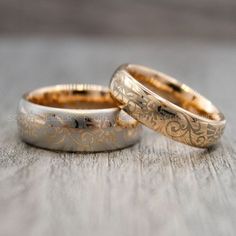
x=74, y=118
x=165, y=105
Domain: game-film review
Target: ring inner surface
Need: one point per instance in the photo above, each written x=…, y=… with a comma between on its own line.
x=73, y=98
x=175, y=92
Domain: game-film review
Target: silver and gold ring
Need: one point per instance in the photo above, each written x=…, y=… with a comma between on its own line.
x=76, y=118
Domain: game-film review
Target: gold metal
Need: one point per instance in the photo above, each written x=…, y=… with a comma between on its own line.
x=165, y=105
x=80, y=118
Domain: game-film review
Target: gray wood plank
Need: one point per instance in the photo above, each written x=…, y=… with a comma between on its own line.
x=153, y=18
x=157, y=187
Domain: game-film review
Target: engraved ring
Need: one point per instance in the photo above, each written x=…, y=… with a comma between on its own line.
x=165, y=105
x=81, y=118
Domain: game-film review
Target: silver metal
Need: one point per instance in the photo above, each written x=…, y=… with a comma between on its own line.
x=77, y=118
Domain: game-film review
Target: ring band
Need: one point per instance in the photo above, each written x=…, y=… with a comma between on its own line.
x=167, y=106
x=74, y=118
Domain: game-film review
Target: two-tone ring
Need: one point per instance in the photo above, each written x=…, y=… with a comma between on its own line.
x=167, y=106
x=80, y=118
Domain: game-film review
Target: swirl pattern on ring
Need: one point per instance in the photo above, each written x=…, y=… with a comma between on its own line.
x=81, y=134
x=161, y=116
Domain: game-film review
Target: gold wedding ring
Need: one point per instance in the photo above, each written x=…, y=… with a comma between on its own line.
x=165, y=105
x=80, y=118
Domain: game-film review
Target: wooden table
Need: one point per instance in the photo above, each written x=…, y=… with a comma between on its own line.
x=157, y=187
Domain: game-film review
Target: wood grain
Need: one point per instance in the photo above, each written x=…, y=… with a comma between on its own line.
x=157, y=187
x=190, y=18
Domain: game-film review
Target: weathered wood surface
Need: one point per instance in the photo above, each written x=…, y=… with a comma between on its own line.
x=155, y=18
x=157, y=187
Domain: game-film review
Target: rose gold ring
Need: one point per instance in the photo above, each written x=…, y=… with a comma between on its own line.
x=165, y=105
